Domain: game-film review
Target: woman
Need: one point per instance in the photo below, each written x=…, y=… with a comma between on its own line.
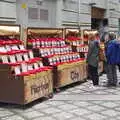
x=92, y=59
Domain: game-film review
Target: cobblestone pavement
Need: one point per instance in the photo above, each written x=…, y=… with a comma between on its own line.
x=81, y=102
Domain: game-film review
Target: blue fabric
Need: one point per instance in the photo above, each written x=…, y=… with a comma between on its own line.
x=113, y=52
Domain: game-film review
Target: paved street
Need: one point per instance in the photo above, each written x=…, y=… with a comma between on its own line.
x=81, y=102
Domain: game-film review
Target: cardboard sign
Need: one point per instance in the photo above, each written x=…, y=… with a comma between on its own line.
x=35, y=89
x=71, y=73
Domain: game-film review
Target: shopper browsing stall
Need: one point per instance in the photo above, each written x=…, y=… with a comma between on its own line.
x=92, y=59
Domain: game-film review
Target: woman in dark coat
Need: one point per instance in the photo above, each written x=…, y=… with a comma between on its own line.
x=92, y=59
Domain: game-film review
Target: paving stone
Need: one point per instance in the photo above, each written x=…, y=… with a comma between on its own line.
x=67, y=107
x=63, y=116
x=82, y=103
x=101, y=93
x=31, y=115
x=110, y=104
x=95, y=116
x=23, y=111
x=5, y=113
x=44, y=118
x=96, y=108
x=118, y=108
x=14, y=117
x=78, y=91
x=80, y=111
x=78, y=118
x=56, y=103
x=40, y=106
x=110, y=113
x=51, y=110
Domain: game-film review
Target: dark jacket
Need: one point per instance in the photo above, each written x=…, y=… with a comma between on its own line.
x=92, y=57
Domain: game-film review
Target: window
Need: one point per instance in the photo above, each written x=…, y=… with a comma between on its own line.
x=32, y=13
x=43, y=14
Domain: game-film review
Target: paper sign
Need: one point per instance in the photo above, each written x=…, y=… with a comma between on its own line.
x=31, y=54
x=19, y=57
x=17, y=70
x=8, y=48
x=25, y=57
x=41, y=65
x=24, y=67
x=30, y=67
x=4, y=59
x=2, y=49
x=14, y=47
x=12, y=59
x=21, y=47
x=36, y=66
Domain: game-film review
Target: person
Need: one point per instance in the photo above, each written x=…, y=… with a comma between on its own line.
x=110, y=52
x=118, y=39
x=92, y=59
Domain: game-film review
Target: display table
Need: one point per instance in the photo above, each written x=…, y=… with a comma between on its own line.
x=24, y=88
x=69, y=73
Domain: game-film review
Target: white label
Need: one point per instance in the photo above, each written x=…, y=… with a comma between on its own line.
x=38, y=43
x=2, y=49
x=41, y=65
x=25, y=57
x=17, y=70
x=31, y=54
x=30, y=67
x=14, y=47
x=4, y=59
x=12, y=59
x=19, y=57
x=24, y=67
x=21, y=47
x=8, y=48
x=36, y=66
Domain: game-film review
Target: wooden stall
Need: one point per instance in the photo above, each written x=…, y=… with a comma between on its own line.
x=23, y=76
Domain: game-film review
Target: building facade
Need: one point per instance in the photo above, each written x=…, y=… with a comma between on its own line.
x=84, y=14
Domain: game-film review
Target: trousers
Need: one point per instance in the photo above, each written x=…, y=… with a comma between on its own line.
x=111, y=74
x=93, y=74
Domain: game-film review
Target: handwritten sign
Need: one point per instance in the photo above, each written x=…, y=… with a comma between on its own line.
x=42, y=86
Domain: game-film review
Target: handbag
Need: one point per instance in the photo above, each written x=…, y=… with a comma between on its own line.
x=101, y=55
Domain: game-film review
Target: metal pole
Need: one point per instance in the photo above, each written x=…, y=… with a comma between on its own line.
x=79, y=3
x=108, y=12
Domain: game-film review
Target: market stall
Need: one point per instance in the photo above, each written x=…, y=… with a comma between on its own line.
x=24, y=78
x=50, y=45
